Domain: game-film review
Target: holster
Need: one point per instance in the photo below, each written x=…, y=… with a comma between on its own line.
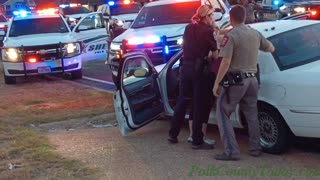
x=231, y=79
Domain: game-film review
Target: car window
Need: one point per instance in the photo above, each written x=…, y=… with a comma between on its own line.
x=297, y=47
x=37, y=26
x=176, y=13
x=91, y=22
x=129, y=69
x=74, y=10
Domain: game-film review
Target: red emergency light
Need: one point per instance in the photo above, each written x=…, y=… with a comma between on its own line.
x=32, y=60
x=313, y=13
x=49, y=11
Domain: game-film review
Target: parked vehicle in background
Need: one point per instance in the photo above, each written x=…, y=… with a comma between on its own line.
x=120, y=15
x=159, y=27
x=290, y=7
x=278, y=9
x=3, y=23
x=73, y=12
x=288, y=101
x=309, y=15
x=43, y=43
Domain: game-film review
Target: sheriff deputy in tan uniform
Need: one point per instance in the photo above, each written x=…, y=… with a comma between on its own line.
x=236, y=83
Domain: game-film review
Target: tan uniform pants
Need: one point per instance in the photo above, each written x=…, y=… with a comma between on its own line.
x=246, y=96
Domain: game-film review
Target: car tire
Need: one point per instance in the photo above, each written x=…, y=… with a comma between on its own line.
x=275, y=134
x=10, y=80
x=77, y=74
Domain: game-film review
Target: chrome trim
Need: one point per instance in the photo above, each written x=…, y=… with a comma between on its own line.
x=304, y=112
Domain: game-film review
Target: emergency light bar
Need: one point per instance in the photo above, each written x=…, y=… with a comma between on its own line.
x=50, y=11
x=144, y=40
x=126, y=2
x=69, y=5
x=111, y=3
x=276, y=2
x=21, y=13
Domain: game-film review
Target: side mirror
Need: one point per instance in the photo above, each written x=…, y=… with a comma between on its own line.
x=140, y=73
x=217, y=16
x=126, y=25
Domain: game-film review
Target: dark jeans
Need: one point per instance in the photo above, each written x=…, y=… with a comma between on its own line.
x=199, y=86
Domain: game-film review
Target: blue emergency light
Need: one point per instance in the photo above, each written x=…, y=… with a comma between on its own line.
x=21, y=13
x=111, y=3
x=276, y=2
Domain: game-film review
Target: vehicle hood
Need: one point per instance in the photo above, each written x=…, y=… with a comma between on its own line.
x=168, y=30
x=77, y=16
x=32, y=40
x=126, y=17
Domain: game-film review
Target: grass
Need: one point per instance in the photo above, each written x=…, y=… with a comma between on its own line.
x=38, y=102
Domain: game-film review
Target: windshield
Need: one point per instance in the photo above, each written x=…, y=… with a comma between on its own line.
x=75, y=10
x=297, y=47
x=176, y=13
x=37, y=26
x=124, y=9
x=2, y=19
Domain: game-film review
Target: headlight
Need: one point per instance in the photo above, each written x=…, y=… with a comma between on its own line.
x=299, y=9
x=72, y=49
x=115, y=46
x=180, y=41
x=11, y=54
x=119, y=22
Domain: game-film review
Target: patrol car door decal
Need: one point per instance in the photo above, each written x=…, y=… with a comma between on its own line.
x=92, y=34
x=139, y=92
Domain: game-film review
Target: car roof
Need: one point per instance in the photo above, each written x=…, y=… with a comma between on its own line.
x=35, y=16
x=272, y=28
x=164, y=2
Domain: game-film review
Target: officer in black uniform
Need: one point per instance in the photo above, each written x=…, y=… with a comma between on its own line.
x=198, y=41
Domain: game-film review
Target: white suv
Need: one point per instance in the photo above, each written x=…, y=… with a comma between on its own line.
x=44, y=44
x=159, y=27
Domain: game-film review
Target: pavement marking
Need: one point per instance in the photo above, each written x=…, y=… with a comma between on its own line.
x=97, y=80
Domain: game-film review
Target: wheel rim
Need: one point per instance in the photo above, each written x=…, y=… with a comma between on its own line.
x=268, y=130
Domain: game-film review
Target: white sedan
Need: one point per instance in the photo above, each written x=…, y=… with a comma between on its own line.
x=289, y=100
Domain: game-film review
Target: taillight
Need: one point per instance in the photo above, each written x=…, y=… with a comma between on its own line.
x=313, y=13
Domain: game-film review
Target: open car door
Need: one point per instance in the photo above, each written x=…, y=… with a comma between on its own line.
x=137, y=99
x=92, y=34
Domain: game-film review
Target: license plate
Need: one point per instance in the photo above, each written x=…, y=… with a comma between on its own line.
x=271, y=16
x=42, y=70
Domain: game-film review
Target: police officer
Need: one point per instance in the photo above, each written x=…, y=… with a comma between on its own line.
x=239, y=50
x=198, y=41
x=250, y=7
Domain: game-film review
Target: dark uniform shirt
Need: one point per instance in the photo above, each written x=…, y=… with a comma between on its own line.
x=198, y=40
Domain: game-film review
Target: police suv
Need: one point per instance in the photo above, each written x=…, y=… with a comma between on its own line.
x=43, y=43
x=121, y=15
x=159, y=27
